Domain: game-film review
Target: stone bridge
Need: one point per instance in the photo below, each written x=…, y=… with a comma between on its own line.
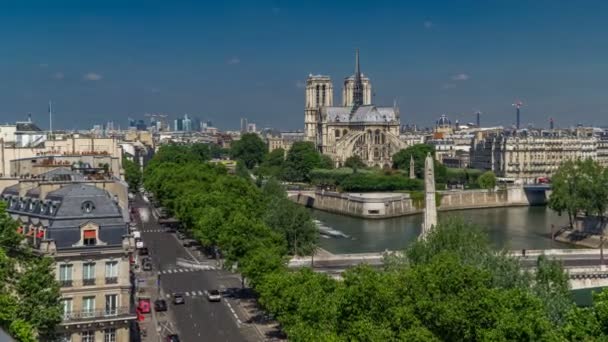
x=582, y=265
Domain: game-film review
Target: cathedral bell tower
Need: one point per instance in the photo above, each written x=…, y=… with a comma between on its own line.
x=319, y=93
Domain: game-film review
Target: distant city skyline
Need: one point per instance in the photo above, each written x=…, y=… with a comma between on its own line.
x=103, y=61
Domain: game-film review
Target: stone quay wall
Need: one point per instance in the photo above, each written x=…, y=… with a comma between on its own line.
x=384, y=205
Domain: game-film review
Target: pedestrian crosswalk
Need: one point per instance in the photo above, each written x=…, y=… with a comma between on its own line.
x=154, y=230
x=183, y=270
x=193, y=293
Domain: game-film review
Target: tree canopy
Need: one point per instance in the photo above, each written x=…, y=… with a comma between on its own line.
x=132, y=174
x=580, y=186
x=302, y=158
x=401, y=160
x=29, y=294
x=251, y=149
x=487, y=180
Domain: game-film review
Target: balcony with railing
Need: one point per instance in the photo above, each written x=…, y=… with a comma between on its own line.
x=107, y=314
x=111, y=280
x=91, y=282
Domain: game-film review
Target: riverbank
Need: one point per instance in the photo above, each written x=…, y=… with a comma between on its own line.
x=579, y=239
x=389, y=205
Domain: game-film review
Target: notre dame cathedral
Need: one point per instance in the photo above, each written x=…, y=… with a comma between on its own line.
x=358, y=127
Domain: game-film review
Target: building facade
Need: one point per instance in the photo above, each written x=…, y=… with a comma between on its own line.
x=358, y=128
x=531, y=157
x=84, y=229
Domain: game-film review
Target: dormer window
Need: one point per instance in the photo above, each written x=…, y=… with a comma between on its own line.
x=51, y=209
x=87, y=207
x=89, y=237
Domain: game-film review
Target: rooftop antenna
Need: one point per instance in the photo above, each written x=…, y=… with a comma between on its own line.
x=50, y=119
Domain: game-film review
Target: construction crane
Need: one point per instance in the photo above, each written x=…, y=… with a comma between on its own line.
x=518, y=104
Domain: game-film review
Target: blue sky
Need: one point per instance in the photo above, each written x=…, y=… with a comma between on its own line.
x=222, y=60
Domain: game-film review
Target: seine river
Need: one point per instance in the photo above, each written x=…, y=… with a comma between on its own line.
x=510, y=228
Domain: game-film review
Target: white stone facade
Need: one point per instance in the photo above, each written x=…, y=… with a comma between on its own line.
x=529, y=158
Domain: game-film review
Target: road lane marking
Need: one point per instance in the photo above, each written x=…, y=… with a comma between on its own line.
x=200, y=293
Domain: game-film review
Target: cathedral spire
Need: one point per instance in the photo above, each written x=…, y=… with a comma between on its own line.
x=358, y=89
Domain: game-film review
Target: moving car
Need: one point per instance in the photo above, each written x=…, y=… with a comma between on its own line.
x=213, y=295
x=147, y=266
x=178, y=298
x=160, y=305
x=173, y=338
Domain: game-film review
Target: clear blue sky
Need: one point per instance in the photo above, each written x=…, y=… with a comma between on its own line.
x=221, y=60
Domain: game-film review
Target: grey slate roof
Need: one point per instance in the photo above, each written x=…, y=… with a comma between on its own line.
x=27, y=127
x=363, y=114
x=68, y=214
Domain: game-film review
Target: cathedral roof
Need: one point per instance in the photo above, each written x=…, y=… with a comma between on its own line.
x=363, y=114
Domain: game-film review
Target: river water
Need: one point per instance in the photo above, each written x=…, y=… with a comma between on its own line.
x=510, y=228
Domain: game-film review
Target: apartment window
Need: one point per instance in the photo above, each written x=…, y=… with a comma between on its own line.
x=109, y=335
x=111, y=272
x=89, y=237
x=88, y=273
x=88, y=336
x=65, y=275
x=111, y=305
x=67, y=308
x=88, y=306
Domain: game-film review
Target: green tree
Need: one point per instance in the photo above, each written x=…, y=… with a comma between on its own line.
x=487, y=180
x=354, y=162
x=302, y=157
x=29, y=294
x=133, y=174
x=289, y=219
x=564, y=190
x=250, y=149
x=273, y=164
x=401, y=160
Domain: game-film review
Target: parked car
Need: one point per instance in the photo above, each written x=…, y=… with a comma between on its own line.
x=144, y=251
x=178, y=298
x=213, y=295
x=160, y=305
x=173, y=338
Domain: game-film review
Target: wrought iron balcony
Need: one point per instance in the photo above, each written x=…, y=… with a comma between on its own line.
x=99, y=314
x=88, y=281
x=111, y=280
x=65, y=283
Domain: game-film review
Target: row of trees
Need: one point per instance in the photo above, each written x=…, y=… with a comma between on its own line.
x=580, y=187
x=29, y=294
x=229, y=211
x=302, y=162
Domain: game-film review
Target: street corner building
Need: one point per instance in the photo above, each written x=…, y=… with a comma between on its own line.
x=357, y=128
x=83, y=227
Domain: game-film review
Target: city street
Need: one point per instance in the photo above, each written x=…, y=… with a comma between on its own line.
x=197, y=319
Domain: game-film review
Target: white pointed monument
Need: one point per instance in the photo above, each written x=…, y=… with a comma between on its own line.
x=412, y=165
x=430, y=207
